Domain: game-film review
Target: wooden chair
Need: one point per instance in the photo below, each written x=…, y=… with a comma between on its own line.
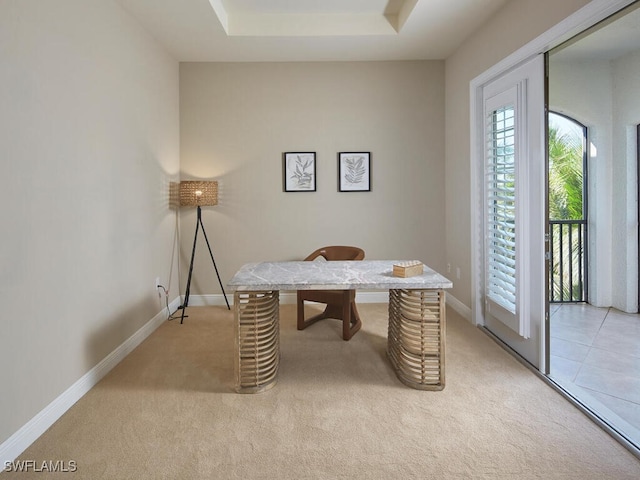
x=341, y=304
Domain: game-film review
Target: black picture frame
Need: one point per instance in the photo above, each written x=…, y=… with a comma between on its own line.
x=299, y=171
x=354, y=171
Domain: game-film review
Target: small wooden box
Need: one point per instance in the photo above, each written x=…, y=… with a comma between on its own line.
x=408, y=269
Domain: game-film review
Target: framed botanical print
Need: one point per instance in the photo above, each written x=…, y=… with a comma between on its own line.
x=354, y=171
x=299, y=171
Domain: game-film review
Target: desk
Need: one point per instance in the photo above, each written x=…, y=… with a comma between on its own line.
x=416, y=334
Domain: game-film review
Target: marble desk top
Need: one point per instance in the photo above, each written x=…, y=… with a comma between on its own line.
x=335, y=275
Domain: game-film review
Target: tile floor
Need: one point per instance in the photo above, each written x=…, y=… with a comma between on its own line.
x=595, y=356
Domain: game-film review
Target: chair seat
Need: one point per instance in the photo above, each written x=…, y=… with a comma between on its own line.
x=327, y=296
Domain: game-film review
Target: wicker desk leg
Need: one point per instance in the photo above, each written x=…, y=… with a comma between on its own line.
x=257, y=340
x=416, y=337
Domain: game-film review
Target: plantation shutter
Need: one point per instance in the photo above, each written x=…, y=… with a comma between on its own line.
x=504, y=200
x=501, y=202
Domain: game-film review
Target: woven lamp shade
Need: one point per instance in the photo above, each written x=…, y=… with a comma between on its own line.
x=198, y=193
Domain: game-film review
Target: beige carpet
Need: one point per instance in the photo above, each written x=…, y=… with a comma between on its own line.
x=338, y=412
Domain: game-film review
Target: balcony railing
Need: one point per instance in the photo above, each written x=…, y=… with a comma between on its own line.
x=568, y=254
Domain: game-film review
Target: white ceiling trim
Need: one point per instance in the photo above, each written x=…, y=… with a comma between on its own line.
x=198, y=30
x=259, y=24
x=301, y=25
x=221, y=13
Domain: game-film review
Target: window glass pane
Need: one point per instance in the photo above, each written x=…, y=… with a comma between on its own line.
x=566, y=153
x=567, y=214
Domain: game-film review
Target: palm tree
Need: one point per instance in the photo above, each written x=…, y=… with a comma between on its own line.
x=565, y=175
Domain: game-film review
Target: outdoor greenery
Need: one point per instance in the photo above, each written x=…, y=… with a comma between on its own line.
x=565, y=173
x=566, y=144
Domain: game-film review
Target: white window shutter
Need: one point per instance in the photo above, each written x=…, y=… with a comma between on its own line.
x=505, y=197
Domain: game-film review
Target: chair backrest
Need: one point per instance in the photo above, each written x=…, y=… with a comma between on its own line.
x=338, y=252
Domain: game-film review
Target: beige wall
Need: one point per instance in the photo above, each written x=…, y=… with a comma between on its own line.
x=519, y=22
x=88, y=143
x=90, y=137
x=237, y=119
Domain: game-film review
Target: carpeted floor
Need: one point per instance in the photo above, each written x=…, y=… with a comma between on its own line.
x=337, y=412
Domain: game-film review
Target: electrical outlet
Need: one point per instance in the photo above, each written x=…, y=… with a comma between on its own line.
x=156, y=286
x=448, y=268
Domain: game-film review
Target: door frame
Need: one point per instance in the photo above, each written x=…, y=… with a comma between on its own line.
x=523, y=87
x=586, y=17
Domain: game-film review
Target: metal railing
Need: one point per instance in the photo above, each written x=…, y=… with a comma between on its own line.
x=567, y=260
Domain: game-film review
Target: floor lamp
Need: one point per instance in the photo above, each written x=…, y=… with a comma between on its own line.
x=199, y=194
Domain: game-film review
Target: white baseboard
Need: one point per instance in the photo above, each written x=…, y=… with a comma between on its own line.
x=288, y=298
x=29, y=433
x=459, y=307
